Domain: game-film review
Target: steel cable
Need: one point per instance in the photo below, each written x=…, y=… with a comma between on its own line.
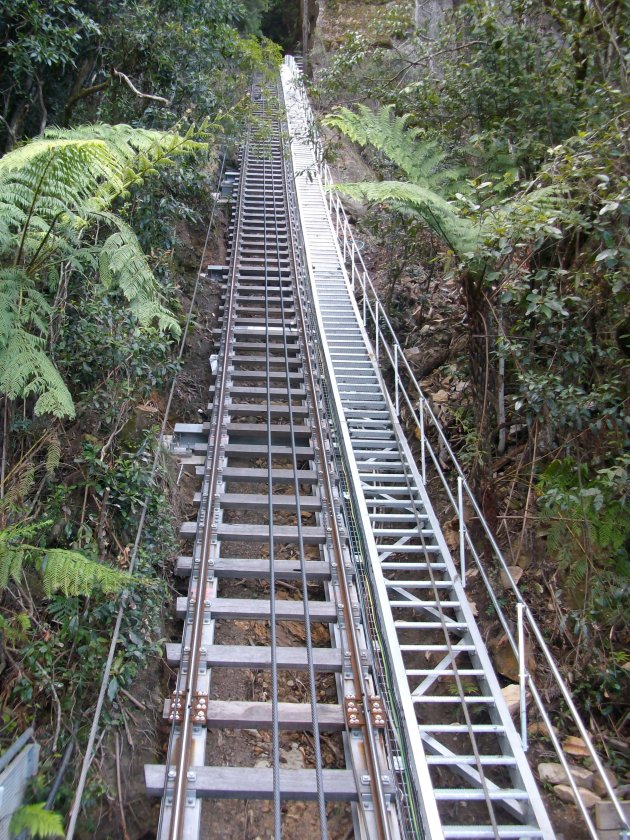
x=302, y=348
x=277, y=808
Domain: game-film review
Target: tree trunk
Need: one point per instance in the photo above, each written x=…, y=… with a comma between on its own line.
x=484, y=388
x=429, y=14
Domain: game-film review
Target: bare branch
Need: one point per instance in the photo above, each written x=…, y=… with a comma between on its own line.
x=135, y=90
x=42, y=105
x=114, y=74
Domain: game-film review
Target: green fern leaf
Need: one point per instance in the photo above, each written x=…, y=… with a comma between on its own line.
x=38, y=821
x=26, y=369
x=53, y=455
x=74, y=574
x=122, y=263
x=11, y=563
x=458, y=232
x=422, y=161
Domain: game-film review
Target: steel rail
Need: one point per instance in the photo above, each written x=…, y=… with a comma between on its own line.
x=277, y=805
x=183, y=743
x=371, y=756
x=303, y=348
x=277, y=200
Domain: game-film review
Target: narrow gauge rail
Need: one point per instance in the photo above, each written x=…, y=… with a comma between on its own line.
x=269, y=511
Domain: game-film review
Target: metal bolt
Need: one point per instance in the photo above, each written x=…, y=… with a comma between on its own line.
x=365, y=779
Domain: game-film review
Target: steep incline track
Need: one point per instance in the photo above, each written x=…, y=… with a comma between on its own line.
x=269, y=510
x=322, y=594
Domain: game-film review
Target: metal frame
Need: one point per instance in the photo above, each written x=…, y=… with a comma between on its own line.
x=265, y=342
x=387, y=351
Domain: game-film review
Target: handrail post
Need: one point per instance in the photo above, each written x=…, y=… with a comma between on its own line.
x=376, y=331
x=364, y=302
x=353, y=268
x=522, y=673
x=396, y=383
x=462, y=529
x=423, y=457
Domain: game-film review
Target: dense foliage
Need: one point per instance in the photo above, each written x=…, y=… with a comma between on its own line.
x=112, y=120
x=501, y=128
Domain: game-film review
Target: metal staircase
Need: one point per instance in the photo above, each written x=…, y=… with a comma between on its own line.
x=481, y=784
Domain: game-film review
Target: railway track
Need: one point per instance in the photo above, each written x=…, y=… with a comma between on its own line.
x=269, y=514
x=323, y=600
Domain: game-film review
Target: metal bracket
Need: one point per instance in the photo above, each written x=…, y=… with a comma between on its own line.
x=377, y=712
x=200, y=707
x=353, y=707
x=176, y=710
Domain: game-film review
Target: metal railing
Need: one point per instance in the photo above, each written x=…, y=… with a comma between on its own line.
x=17, y=765
x=406, y=391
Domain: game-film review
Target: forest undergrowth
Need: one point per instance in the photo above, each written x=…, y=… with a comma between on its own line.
x=113, y=123
x=486, y=149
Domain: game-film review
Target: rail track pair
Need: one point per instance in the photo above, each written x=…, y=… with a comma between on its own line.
x=323, y=601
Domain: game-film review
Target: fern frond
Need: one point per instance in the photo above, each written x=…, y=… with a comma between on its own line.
x=25, y=369
x=11, y=562
x=123, y=263
x=37, y=821
x=422, y=161
x=26, y=481
x=53, y=455
x=74, y=574
x=457, y=231
x=51, y=189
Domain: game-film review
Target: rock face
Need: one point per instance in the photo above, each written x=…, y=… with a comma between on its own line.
x=287, y=21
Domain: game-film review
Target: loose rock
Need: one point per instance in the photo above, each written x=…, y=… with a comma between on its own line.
x=515, y=571
x=555, y=774
x=440, y=397
x=512, y=696
x=598, y=782
x=565, y=794
x=575, y=746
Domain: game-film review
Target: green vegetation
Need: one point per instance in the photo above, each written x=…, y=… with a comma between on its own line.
x=112, y=122
x=37, y=821
x=497, y=136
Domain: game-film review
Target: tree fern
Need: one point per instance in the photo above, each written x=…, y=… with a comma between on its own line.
x=421, y=160
x=427, y=191
x=457, y=231
x=54, y=190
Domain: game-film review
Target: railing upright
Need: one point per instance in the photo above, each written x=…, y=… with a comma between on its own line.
x=424, y=418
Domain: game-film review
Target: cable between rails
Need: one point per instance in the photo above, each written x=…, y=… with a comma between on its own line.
x=277, y=808
x=321, y=803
